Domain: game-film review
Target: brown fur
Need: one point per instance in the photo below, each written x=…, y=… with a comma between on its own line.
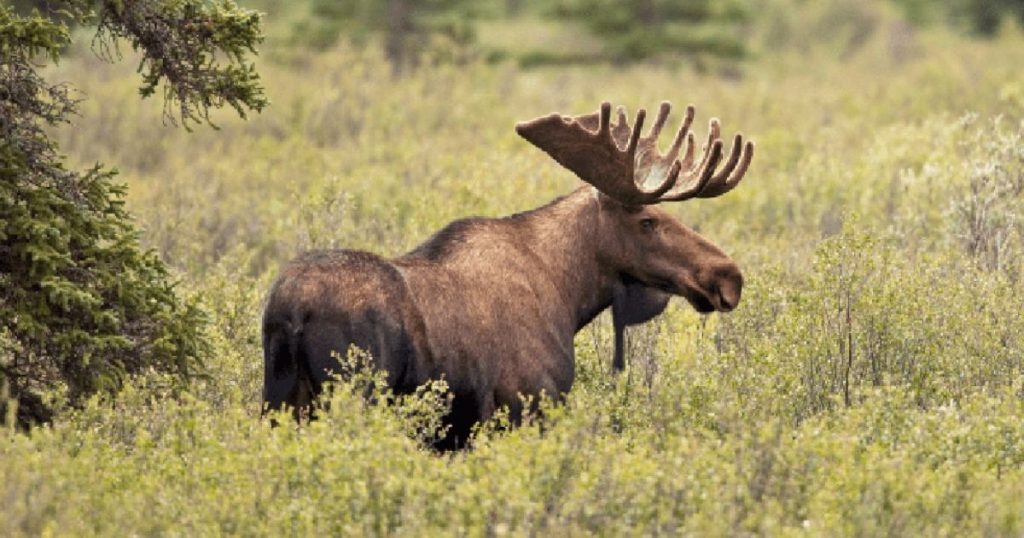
x=490, y=305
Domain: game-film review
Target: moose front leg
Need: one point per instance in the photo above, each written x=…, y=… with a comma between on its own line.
x=632, y=304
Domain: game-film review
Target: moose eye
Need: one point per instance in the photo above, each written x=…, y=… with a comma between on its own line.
x=647, y=224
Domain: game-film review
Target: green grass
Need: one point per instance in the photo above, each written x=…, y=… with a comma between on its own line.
x=870, y=382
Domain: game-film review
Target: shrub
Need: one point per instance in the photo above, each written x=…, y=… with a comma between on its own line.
x=986, y=218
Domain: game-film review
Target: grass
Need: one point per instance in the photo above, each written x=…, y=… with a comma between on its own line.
x=870, y=382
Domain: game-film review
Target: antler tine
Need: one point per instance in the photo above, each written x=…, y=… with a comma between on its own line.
x=659, y=122
x=734, y=157
x=732, y=172
x=701, y=174
x=606, y=116
x=714, y=135
x=634, y=138
x=741, y=170
x=691, y=146
x=621, y=131
x=684, y=134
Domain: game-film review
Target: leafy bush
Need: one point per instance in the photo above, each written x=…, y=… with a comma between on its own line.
x=987, y=215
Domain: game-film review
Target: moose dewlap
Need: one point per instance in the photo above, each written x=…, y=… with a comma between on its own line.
x=491, y=305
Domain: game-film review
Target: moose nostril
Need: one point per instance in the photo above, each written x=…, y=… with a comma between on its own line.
x=728, y=296
x=729, y=289
x=725, y=302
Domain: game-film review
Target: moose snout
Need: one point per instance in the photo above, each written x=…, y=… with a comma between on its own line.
x=728, y=290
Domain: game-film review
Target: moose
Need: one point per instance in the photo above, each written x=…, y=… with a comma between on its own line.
x=491, y=305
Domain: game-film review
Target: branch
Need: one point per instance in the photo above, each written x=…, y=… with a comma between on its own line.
x=197, y=50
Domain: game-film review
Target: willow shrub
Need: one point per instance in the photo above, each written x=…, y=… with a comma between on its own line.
x=155, y=463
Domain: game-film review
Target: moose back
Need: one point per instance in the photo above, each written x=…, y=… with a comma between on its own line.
x=491, y=305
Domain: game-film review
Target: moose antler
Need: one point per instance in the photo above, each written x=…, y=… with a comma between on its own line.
x=629, y=168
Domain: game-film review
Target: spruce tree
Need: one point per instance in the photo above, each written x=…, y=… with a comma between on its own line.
x=640, y=29
x=82, y=305
x=406, y=28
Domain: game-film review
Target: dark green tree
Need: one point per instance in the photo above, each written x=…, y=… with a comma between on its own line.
x=82, y=305
x=639, y=29
x=406, y=28
x=983, y=17
x=979, y=17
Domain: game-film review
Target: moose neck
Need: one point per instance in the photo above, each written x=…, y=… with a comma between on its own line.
x=564, y=236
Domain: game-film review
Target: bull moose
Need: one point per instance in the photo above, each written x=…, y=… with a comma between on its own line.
x=491, y=304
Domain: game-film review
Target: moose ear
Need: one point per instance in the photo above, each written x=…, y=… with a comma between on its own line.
x=632, y=304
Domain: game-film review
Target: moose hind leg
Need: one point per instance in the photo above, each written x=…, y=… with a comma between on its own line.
x=464, y=414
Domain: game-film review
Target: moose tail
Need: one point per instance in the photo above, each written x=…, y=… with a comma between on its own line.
x=286, y=368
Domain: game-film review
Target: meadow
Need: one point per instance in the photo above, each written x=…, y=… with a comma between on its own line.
x=871, y=382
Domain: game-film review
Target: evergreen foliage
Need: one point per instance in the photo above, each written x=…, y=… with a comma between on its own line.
x=81, y=303
x=980, y=17
x=408, y=28
x=639, y=29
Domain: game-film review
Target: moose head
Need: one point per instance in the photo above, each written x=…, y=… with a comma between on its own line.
x=655, y=254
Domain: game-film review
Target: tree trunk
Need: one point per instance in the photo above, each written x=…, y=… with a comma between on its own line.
x=399, y=27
